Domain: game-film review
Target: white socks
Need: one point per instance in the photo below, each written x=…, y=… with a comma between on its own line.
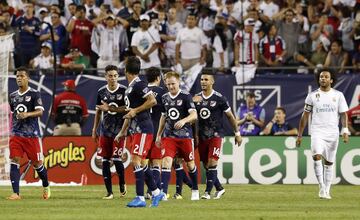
x=328, y=176
x=318, y=167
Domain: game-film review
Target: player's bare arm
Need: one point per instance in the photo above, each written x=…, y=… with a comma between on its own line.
x=302, y=125
x=96, y=125
x=160, y=130
x=122, y=132
x=192, y=117
x=149, y=103
x=345, y=130
x=33, y=114
x=106, y=107
x=233, y=122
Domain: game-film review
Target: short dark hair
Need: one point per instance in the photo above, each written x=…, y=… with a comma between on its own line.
x=110, y=67
x=133, y=65
x=81, y=8
x=22, y=69
x=281, y=109
x=152, y=74
x=250, y=95
x=332, y=75
x=207, y=72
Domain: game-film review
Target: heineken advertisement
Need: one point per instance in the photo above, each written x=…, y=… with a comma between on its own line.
x=276, y=160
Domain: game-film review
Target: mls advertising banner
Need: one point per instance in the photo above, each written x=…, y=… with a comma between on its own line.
x=261, y=160
x=270, y=91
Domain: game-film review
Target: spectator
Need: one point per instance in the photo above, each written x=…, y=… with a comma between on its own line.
x=159, y=5
x=71, y=8
x=269, y=8
x=44, y=60
x=119, y=9
x=172, y=29
x=278, y=125
x=346, y=29
x=145, y=44
x=181, y=12
x=28, y=45
x=69, y=111
x=108, y=41
x=354, y=119
x=75, y=61
x=318, y=57
x=59, y=36
x=272, y=48
x=229, y=33
x=191, y=44
x=321, y=29
x=290, y=31
x=303, y=41
x=134, y=20
x=80, y=30
x=337, y=59
x=356, y=59
x=219, y=46
x=92, y=11
x=250, y=117
x=55, y=8
x=43, y=13
x=235, y=13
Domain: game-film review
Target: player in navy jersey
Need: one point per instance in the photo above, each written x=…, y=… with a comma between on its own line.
x=211, y=106
x=26, y=107
x=175, y=131
x=139, y=99
x=153, y=76
x=110, y=105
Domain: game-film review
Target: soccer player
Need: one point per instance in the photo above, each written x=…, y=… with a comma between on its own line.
x=26, y=106
x=110, y=106
x=175, y=126
x=139, y=99
x=153, y=76
x=211, y=107
x=324, y=105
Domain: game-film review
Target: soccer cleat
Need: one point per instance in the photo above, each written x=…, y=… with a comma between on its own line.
x=123, y=190
x=148, y=196
x=322, y=193
x=195, y=195
x=155, y=200
x=206, y=196
x=108, y=196
x=327, y=195
x=165, y=197
x=46, y=193
x=177, y=196
x=219, y=193
x=14, y=196
x=136, y=203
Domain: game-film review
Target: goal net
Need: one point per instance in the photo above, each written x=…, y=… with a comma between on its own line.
x=6, y=46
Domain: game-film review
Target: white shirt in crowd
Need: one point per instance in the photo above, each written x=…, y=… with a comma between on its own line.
x=269, y=9
x=42, y=62
x=191, y=40
x=217, y=49
x=144, y=40
x=172, y=30
x=325, y=108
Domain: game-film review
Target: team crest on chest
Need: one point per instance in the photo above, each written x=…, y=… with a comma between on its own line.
x=119, y=96
x=212, y=103
x=27, y=98
x=179, y=102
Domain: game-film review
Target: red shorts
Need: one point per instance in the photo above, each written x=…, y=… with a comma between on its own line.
x=32, y=146
x=155, y=152
x=210, y=148
x=141, y=144
x=109, y=148
x=184, y=147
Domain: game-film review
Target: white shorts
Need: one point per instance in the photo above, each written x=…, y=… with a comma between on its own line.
x=327, y=147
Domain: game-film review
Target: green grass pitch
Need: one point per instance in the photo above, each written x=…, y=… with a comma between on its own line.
x=239, y=202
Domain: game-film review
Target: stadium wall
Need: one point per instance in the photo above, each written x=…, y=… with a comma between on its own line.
x=259, y=160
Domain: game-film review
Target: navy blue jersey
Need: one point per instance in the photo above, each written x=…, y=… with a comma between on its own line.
x=28, y=101
x=175, y=108
x=112, y=121
x=28, y=42
x=211, y=111
x=280, y=128
x=135, y=96
x=155, y=111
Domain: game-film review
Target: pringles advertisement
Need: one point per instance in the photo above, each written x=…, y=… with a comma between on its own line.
x=75, y=160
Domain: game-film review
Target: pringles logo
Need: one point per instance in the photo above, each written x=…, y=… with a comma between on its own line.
x=63, y=157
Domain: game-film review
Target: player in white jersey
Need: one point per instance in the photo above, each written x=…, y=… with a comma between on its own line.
x=324, y=105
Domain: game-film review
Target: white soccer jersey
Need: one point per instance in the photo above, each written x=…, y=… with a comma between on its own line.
x=325, y=108
x=191, y=40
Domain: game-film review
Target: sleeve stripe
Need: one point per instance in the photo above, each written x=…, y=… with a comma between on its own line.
x=228, y=109
x=191, y=109
x=40, y=107
x=149, y=93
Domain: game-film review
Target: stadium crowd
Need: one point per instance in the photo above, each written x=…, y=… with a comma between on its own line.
x=219, y=33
